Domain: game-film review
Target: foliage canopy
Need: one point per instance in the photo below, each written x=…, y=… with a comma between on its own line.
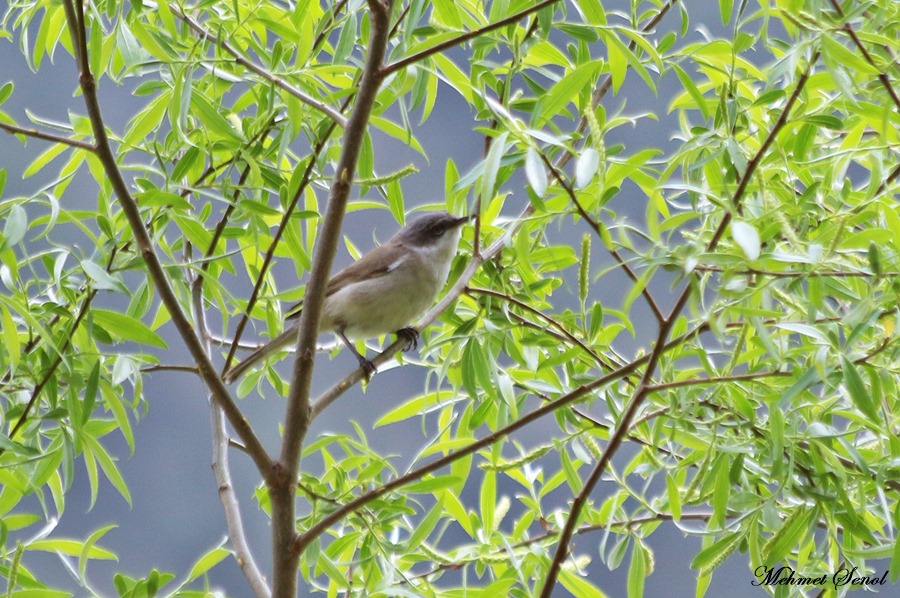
x=722, y=303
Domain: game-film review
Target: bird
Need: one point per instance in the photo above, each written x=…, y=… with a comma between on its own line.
x=383, y=291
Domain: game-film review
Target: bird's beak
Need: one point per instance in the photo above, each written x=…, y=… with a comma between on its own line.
x=462, y=220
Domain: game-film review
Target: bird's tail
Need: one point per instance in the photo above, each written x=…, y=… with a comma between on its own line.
x=273, y=346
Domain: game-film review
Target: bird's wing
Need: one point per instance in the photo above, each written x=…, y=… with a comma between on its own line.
x=374, y=264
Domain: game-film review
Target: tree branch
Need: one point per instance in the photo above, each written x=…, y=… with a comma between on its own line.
x=16, y=130
x=642, y=391
x=651, y=302
x=155, y=270
x=248, y=64
x=220, y=466
x=600, y=360
x=461, y=39
x=792, y=274
x=297, y=417
x=868, y=57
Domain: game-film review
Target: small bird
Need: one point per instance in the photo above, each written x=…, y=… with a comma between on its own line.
x=383, y=291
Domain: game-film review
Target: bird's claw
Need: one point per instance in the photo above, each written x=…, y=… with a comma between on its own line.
x=410, y=335
x=368, y=368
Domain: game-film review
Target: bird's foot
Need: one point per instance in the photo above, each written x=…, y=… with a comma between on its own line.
x=368, y=367
x=410, y=335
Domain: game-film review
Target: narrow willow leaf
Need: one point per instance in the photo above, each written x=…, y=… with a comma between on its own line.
x=592, y=11
x=689, y=86
x=426, y=525
x=89, y=544
x=11, y=344
x=855, y=386
x=725, y=8
x=488, y=501
x=213, y=120
x=674, y=496
x=586, y=167
x=491, y=166
x=207, y=562
x=710, y=558
x=788, y=535
x=101, y=279
x=16, y=225
x=565, y=90
x=535, y=172
x=127, y=328
x=747, y=238
x=6, y=91
x=637, y=571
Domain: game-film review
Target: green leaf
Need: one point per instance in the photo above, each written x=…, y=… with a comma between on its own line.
x=6, y=91
x=431, y=484
x=213, y=120
x=586, y=167
x=418, y=406
x=579, y=587
x=788, y=535
x=157, y=198
x=103, y=280
x=674, y=495
x=725, y=8
x=127, y=328
x=488, y=501
x=199, y=235
x=535, y=172
x=637, y=571
x=147, y=120
x=566, y=89
x=426, y=526
x=491, y=166
x=690, y=87
x=11, y=344
x=207, y=562
x=15, y=227
x=84, y=557
x=72, y=548
x=107, y=464
x=593, y=11
x=860, y=395
x=747, y=238
x=398, y=132
x=836, y=53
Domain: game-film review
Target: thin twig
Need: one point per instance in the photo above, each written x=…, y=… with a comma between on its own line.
x=16, y=130
x=162, y=367
x=600, y=360
x=792, y=274
x=460, y=39
x=645, y=292
x=868, y=57
x=716, y=380
x=322, y=107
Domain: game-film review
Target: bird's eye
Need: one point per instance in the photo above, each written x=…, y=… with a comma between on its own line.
x=437, y=231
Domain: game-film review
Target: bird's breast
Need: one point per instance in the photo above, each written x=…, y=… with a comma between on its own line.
x=386, y=303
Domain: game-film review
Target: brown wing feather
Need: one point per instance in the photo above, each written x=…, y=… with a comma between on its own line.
x=372, y=265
